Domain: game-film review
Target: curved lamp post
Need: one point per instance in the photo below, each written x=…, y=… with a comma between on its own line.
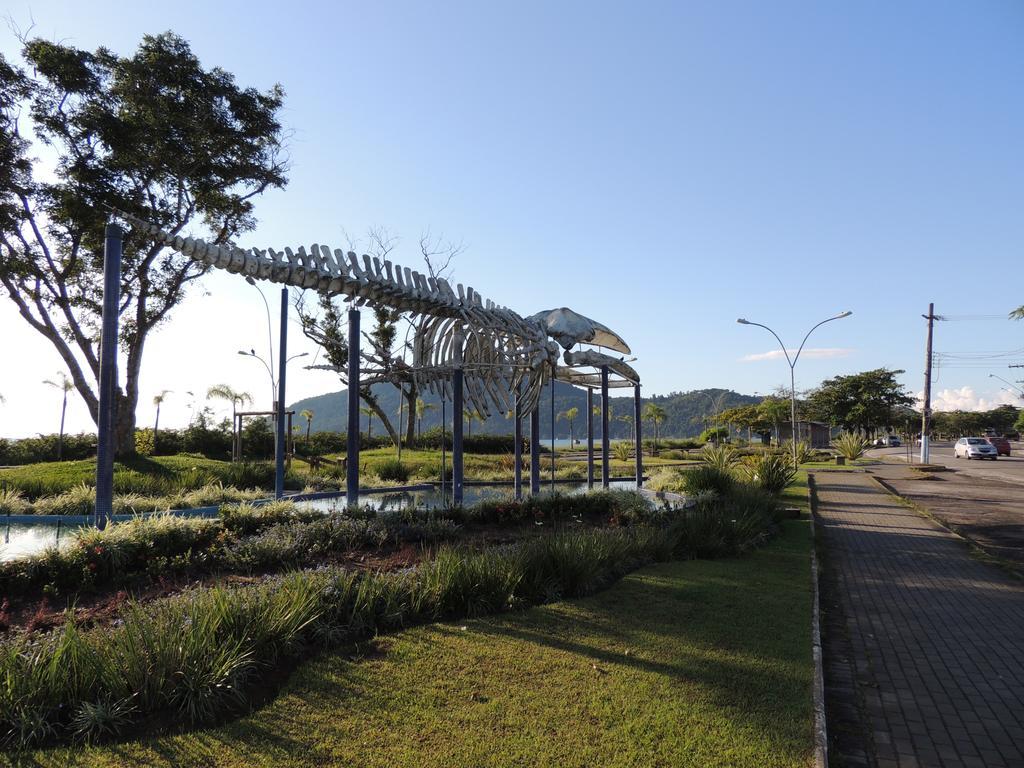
x=273, y=381
x=792, y=365
x=1013, y=387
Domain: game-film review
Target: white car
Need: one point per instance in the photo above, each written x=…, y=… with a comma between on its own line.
x=975, y=448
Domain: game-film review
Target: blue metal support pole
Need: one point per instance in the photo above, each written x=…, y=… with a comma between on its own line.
x=352, y=451
x=457, y=419
x=590, y=439
x=108, y=376
x=518, y=471
x=552, y=434
x=535, y=451
x=639, y=442
x=605, y=443
x=444, y=423
x=280, y=436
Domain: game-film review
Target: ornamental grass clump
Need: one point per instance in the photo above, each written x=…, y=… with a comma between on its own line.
x=115, y=555
x=707, y=478
x=12, y=502
x=720, y=457
x=621, y=451
x=245, y=518
x=392, y=470
x=79, y=500
x=850, y=446
x=804, y=453
x=771, y=472
x=200, y=656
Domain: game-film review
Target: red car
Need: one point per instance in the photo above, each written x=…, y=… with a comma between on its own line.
x=1001, y=444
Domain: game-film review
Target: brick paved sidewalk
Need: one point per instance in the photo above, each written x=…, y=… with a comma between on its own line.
x=936, y=638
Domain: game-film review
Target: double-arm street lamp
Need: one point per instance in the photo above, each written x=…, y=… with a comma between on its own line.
x=1013, y=387
x=792, y=364
x=270, y=372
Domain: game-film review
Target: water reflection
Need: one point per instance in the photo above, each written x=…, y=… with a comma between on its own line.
x=26, y=538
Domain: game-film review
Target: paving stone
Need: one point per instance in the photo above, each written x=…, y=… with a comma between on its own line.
x=931, y=640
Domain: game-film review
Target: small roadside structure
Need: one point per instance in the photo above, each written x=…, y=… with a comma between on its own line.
x=817, y=434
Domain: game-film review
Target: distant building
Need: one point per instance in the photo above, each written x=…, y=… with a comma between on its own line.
x=815, y=433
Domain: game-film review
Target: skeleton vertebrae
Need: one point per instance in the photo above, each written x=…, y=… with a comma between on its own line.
x=500, y=352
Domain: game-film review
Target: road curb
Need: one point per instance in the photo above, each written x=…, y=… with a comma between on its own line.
x=818, y=686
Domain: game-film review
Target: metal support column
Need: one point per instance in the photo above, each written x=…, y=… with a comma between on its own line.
x=518, y=471
x=106, y=418
x=637, y=420
x=457, y=419
x=590, y=439
x=535, y=451
x=281, y=436
x=605, y=443
x=552, y=434
x=352, y=451
x=444, y=467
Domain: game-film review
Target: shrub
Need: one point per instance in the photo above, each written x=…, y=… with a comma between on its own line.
x=114, y=555
x=12, y=502
x=486, y=444
x=725, y=526
x=621, y=451
x=707, y=478
x=721, y=457
x=714, y=435
x=245, y=519
x=80, y=500
x=392, y=469
x=850, y=445
x=769, y=471
x=804, y=452
x=665, y=479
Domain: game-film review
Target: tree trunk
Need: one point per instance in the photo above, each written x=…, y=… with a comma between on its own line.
x=379, y=412
x=156, y=427
x=410, y=408
x=124, y=427
x=309, y=426
x=60, y=439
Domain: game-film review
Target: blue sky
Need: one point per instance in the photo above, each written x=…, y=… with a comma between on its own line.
x=662, y=168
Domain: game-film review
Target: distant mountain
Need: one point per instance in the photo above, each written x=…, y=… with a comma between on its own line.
x=685, y=411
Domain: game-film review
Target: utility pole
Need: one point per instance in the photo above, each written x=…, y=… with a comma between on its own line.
x=926, y=411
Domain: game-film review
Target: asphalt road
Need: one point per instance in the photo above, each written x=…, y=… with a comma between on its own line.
x=1010, y=468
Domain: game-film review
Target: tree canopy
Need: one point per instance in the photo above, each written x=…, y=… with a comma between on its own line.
x=859, y=402
x=154, y=134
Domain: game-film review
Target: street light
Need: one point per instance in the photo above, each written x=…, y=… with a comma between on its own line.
x=1019, y=392
x=273, y=382
x=270, y=372
x=792, y=364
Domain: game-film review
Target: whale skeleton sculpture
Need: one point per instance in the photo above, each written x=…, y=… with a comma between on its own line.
x=500, y=352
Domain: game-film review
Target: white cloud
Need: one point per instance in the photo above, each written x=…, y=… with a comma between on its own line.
x=820, y=352
x=966, y=399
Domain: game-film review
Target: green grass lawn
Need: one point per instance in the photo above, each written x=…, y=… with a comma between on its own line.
x=698, y=663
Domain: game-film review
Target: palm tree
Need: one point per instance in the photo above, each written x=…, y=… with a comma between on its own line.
x=570, y=415
x=65, y=385
x=470, y=415
x=369, y=414
x=421, y=410
x=236, y=398
x=627, y=419
x=308, y=416
x=158, y=400
x=656, y=414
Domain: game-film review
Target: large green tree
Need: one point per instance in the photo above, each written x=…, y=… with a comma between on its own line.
x=859, y=402
x=154, y=134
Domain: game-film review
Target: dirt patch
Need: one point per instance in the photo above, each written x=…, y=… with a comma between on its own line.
x=987, y=511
